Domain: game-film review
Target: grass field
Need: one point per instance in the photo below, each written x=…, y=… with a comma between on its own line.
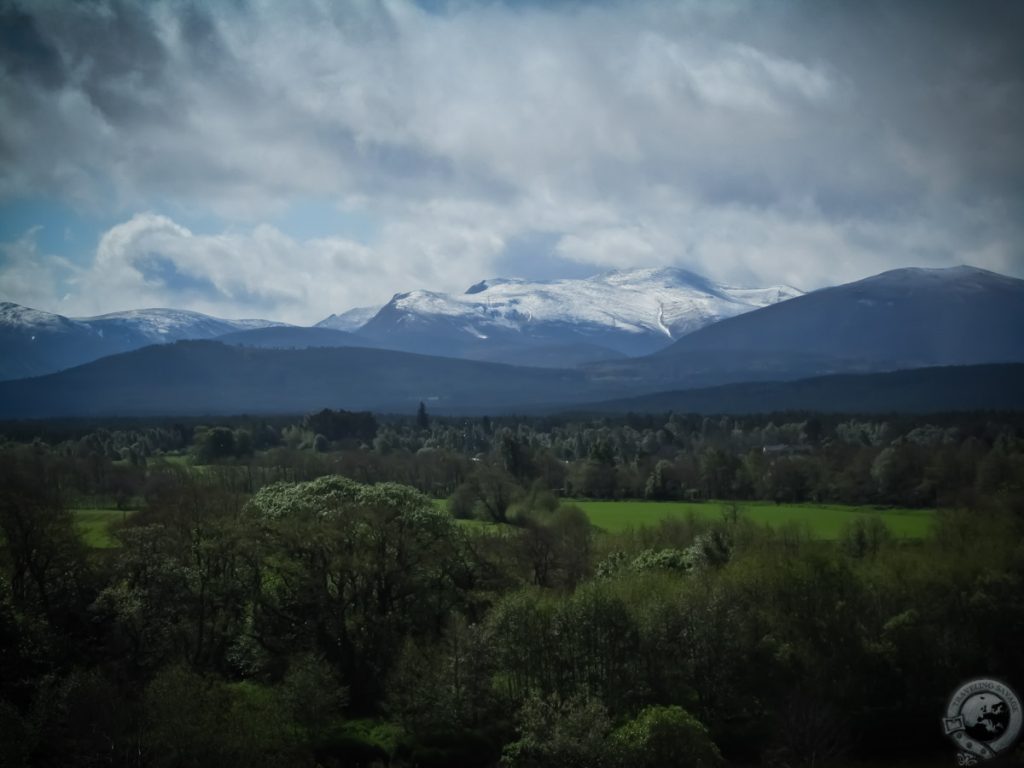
x=95, y=526
x=826, y=521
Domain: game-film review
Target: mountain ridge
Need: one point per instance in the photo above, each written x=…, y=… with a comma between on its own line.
x=629, y=312
x=210, y=377
x=34, y=342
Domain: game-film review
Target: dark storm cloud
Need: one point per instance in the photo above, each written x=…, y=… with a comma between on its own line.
x=24, y=52
x=801, y=142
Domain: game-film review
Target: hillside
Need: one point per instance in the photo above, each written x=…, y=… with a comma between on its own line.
x=292, y=337
x=907, y=318
x=203, y=377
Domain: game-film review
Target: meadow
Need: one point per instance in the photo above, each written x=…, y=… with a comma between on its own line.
x=825, y=521
x=95, y=526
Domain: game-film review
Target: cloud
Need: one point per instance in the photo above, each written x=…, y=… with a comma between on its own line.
x=28, y=276
x=151, y=260
x=754, y=142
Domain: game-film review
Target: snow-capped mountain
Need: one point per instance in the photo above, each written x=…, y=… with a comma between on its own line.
x=352, y=320
x=34, y=342
x=158, y=326
x=629, y=312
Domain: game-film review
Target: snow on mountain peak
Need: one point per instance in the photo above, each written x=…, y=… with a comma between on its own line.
x=16, y=316
x=663, y=301
x=351, y=320
x=161, y=325
x=146, y=325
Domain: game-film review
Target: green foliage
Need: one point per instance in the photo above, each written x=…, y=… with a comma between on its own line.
x=560, y=732
x=665, y=559
x=341, y=425
x=368, y=566
x=42, y=558
x=661, y=736
x=488, y=494
x=212, y=444
x=311, y=693
x=192, y=720
x=273, y=610
x=864, y=537
x=445, y=686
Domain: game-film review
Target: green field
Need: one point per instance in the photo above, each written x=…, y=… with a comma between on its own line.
x=94, y=525
x=826, y=521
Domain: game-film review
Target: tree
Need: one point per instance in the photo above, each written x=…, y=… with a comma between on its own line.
x=661, y=484
x=350, y=572
x=717, y=473
x=489, y=492
x=43, y=557
x=447, y=685
x=341, y=425
x=213, y=444
x=422, y=420
x=664, y=736
x=560, y=733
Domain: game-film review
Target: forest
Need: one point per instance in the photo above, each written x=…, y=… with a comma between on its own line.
x=349, y=589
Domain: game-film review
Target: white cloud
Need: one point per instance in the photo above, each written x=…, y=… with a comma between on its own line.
x=753, y=142
x=28, y=276
x=151, y=261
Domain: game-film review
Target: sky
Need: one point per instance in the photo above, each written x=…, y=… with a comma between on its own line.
x=292, y=160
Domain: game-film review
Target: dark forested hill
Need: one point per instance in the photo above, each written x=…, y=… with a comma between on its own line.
x=205, y=377
x=211, y=378
x=923, y=390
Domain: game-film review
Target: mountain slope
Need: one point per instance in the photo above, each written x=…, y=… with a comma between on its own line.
x=630, y=312
x=292, y=337
x=205, y=377
x=923, y=390
x=33, y=342
x=907, y=318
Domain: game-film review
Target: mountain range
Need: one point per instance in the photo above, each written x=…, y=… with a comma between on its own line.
x=612, y=315
x=33, y=342
x=551, y=324
x=898, y=320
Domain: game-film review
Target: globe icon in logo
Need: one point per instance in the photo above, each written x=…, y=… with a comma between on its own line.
x=986, y=716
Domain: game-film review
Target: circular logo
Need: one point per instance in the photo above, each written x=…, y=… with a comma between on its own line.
x=983, y=718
